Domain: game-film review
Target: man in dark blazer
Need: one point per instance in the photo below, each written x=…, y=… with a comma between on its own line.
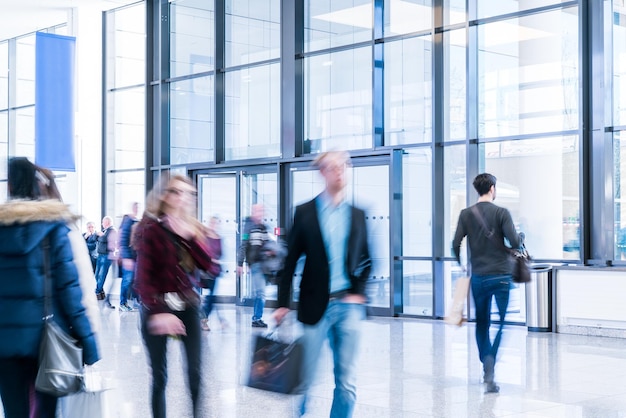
x=333, y=236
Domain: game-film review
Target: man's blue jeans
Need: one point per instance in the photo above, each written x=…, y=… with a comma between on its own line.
x=258, y=290
x=102, y=269
x=484, y=287
x=125, y=288
x=341, y=324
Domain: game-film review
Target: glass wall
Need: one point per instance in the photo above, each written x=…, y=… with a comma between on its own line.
x=452, y=87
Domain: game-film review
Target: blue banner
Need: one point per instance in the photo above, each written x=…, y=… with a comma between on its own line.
x=54, y=101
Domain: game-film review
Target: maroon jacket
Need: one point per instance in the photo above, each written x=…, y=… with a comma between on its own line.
x=157, y=269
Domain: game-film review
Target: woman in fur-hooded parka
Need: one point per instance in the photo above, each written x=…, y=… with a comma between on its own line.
x=23, y=226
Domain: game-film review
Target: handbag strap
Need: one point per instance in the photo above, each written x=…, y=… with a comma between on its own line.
x=47, y=280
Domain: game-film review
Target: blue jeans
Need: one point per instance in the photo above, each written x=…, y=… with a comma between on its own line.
x=258, y=289
x=156, y=346
x=125, y=288
x=102, y=269
x=483, y=289
x=341, y=324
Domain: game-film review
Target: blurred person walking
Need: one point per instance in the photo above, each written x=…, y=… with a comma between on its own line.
x=170, y=244
x=91, y=239
x=214, y=242
x=332, y=235
x=128, y=255
x=107, y=247
x=486, y=227
x=253, y=239
x=32, y=229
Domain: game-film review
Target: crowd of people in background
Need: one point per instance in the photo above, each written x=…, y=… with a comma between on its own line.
x=169, y=264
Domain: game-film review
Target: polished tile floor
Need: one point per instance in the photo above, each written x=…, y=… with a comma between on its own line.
x=409, y=368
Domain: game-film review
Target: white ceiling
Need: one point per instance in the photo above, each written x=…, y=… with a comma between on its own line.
x=19, y=17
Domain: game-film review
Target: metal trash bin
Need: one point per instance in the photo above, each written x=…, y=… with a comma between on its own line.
x=539, y=298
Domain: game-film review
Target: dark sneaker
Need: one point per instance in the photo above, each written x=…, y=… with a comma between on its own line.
x=491, y=388
x=259, y=324
x=125, y=308
x=100, y=296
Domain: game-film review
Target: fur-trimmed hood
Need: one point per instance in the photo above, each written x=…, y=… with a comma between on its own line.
x=24, y=223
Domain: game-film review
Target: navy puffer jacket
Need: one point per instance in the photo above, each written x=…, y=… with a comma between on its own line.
x=23, y=226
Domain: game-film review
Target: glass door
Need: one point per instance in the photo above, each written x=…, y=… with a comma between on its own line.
x=368, y=189
x=217, y=196
x=258, y=186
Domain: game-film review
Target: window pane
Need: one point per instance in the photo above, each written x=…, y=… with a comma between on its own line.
x=192, y=37
x=545, y=200
x=406, y=16
x=455, y=195
x=123, y=188
x=417, y=288
x=528, y=74
x=192, y=120
x=338, y=100
x=252, y=31
x=25, y=132
x=408, y=91
x=454, y=84
x=126, y=46
x=252, y=112
x=126, y=129
x=619, y=140
x=4, y=145
x=619, y=63
x=25, y=71
x=331, y=23
x=454, y=12
x=488, y=8
x=4, y=75
x=417, y=203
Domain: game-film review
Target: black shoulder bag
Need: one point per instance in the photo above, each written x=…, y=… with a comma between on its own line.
x=520, y=258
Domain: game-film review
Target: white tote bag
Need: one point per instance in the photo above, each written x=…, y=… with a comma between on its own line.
x=455, y=314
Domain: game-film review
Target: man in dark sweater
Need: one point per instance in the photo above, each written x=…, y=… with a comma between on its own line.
x=486, y=226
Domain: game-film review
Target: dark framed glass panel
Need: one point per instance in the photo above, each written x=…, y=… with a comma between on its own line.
x=126, y=134
x=192, y=37
x=455, y=84
x=417, y=287
x=408, y=91
x=528, y=71
x=406, y=16
x=332, y=23
x=619, y=190
x=454, y=194
x=619, y=62
x=338, y=100
x=252, y=112
x=252, y=31
x=417, y=202
x=192, y=120
x=126, y=47
x=545, y=201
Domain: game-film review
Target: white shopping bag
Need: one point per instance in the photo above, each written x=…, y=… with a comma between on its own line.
x=455, y=314
x=96, y=401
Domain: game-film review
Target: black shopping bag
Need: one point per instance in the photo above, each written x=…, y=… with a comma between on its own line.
x=275, y=365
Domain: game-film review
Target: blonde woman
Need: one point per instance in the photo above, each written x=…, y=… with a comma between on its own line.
x=170, y=243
